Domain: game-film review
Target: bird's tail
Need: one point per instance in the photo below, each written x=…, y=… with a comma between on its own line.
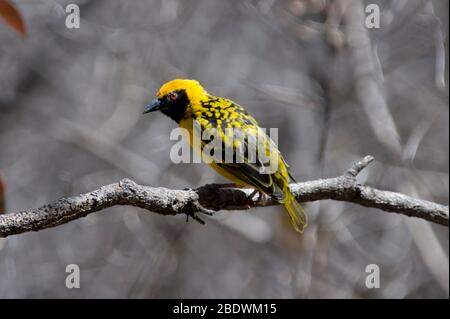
x=297, y=215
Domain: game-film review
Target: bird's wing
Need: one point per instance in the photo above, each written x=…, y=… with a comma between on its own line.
x=252, y=168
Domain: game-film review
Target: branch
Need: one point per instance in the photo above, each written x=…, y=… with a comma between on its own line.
x=215, y=197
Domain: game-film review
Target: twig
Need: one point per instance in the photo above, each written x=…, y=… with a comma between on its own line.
x=210, y=198
x=359, y=166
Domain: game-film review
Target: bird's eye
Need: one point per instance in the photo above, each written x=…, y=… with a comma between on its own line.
x=173, y=96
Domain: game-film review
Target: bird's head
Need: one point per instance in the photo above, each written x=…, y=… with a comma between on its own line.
x=178, y=98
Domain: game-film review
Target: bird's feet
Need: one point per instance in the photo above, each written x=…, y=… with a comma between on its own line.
x=261, y=200
x=196, y=208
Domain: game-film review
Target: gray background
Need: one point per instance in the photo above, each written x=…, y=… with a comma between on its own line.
x=70, y=121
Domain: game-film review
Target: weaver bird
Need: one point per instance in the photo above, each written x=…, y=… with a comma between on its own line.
x=187, y=102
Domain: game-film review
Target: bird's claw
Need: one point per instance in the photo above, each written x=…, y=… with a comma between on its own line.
x=195, y=209
x=261, y=200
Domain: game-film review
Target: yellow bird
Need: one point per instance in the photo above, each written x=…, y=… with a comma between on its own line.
x=191, y=106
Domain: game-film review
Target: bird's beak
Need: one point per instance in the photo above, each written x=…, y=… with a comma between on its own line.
x=154, y=106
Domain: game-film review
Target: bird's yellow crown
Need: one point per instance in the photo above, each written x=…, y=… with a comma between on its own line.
x=195, y=92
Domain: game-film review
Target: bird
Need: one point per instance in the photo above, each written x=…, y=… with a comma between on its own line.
x=187, y=103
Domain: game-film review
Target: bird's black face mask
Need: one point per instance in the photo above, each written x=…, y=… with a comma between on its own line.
x=174, y=105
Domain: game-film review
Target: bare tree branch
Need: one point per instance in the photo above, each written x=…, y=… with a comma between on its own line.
x=216, y=197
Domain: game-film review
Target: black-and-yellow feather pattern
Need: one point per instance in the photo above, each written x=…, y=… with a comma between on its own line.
x=220, y=114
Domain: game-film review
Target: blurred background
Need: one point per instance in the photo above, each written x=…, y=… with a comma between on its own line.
x=71, y=120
